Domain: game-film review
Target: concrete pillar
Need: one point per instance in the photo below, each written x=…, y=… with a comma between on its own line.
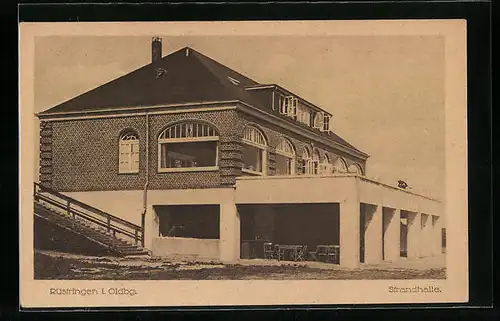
x=426, y=239
x=414, y=234
x=373, y=233
x=349, y=232
x=391, y=233
x=436, y=235
x=229, y=233
x=151, y=227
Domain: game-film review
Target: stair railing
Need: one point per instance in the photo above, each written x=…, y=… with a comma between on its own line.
x=76, y=209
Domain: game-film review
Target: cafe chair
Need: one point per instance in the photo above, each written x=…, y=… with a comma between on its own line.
x=300, y=253
x=279, y=253
x=268, y=251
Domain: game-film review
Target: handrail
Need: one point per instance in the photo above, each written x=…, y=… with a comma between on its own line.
x=103, y=219
x=86, y=206
x=89, y=218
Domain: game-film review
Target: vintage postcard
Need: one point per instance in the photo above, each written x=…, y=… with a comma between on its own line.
x=243, y=163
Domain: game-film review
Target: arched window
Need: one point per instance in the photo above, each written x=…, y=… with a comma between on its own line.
x=356, y=169
x=188, y=146
x=340, y=165
x=306, y=167
x=128, y=153
x=254, y=152
x=325, y=167
x=285, y=158
x=315, y=162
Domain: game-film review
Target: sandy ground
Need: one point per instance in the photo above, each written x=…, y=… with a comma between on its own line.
x=57, y=265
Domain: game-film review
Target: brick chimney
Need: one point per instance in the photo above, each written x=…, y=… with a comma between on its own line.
x=156, y=49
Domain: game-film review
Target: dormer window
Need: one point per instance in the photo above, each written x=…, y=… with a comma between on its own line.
x=322, y=121
x=326, y=123
x=288, y=106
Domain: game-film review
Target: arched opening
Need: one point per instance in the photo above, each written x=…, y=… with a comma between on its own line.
x=254, y=152
x=340, y=165
x=285, y=158
x=355, y=169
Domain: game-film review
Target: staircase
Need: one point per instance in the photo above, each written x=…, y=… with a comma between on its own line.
x=106, y=231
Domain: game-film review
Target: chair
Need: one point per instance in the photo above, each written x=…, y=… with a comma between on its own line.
x=268, y=251
x=333, y=254
x=321, y=253
x=278, y=252
x=300, y=253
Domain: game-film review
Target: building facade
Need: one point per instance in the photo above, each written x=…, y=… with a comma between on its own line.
x=207, y=158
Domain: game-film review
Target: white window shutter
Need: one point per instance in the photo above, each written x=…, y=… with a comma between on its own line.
x=134, y=166
x=124, y=157
x=318, y=120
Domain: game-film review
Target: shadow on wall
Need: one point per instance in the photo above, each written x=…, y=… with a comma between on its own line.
x=48, y=236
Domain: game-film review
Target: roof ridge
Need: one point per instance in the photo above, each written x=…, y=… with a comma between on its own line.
x=218, y=64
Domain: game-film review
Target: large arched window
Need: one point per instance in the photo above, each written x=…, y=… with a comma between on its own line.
x=254, y=152
x=285, y=158
x=128, y=158
x=306, y=168
x=188, y=146
x=356, y=169
x=315, y=162
x=340, y=165
x=325, y=167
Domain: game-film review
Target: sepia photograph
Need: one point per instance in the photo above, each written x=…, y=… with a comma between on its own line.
x=182, y=154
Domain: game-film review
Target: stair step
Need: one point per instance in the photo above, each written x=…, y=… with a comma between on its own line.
x=89, y=229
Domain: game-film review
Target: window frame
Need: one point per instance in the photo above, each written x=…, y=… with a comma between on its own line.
x=292, y=155
x=129, y=143
x=192, y=139
x=262, y=147
x=345, y=165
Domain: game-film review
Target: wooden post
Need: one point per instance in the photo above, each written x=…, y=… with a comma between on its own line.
x=109, y=222
x=114, y=238
x=136, y=236
x=68, y=209
x=143, y=222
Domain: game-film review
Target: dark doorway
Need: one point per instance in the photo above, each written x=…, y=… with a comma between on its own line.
x=403, y=234
x=362, y=228
x=191, y=221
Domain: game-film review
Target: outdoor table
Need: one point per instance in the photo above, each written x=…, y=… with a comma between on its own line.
x=292, y=251
x=330, y=249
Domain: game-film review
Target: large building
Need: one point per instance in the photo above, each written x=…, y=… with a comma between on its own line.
x=205, y=159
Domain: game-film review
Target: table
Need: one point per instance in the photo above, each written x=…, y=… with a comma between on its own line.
x=330, y=250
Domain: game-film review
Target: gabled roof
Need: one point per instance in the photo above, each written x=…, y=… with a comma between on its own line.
x=185, y=76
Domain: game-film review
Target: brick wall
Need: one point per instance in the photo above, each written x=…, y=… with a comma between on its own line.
x=82, y=155
x=274, y=133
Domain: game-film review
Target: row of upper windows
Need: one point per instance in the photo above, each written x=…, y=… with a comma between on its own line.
x=193, y=146
x=292, y=107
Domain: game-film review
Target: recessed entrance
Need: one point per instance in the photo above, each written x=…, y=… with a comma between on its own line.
x=403, y=235
x=288, y=224
x=189, y=221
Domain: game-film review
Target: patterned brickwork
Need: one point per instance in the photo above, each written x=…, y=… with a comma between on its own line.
x=45, y=169
x=274, y=133
x=224, y=122
x=85, y=154
x=82, y=155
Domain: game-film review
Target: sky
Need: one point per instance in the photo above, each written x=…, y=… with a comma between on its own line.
x=386, y=93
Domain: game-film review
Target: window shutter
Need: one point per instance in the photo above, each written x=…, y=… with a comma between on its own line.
x=124, y=157
x=318, y=120
x=134, y=166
